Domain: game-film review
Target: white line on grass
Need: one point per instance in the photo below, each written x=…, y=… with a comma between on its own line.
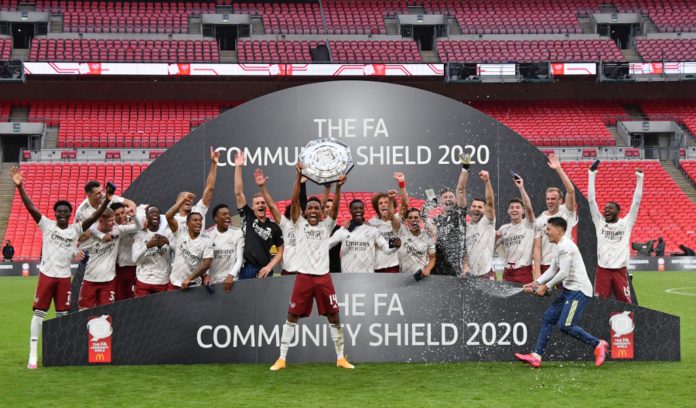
x=679, y=291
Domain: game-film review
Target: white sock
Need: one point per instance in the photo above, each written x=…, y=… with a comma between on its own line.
x=536, y=355
x=36, y=322
x=337, y=337
x=286, y=338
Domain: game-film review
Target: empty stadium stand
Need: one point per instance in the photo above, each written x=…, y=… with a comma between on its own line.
x=125, y=16
x=667, y=49
x=5, y=48
x=49, y=182
x=375, y=51
x=689, y=167
x=275, y=51
x=557, y=123
x=285, y=18
x=672, y=219
x=496, y=51
x=683, y=111
x=668, y=15
x=114, y=125
x=505, y=17
x=114, y=50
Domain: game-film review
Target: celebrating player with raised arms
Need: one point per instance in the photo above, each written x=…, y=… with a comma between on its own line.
x=58, y=249
x=388, y=224
x=517, y=238
x=228, y=248
x=202, y=205
x=99, y=282
x=480, y=232
x=152, y=254
x=450, y=226
x=290, y=258
x=313, y=280
x=613, y=240
x=359, y=242
x=568, y=269
x=543, y=248
x=417, y=252
x=193, y=251
x=260, y=233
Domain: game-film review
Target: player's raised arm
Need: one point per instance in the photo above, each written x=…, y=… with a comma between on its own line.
x=238, y=181
x=489, y=210
x=173, y=224
x=463, y=179
x=555, y=164
x=333, y=212
x=295, y=209
x=207, y=197
x=403, y=194
x=591, y=195
x=528, y=209
x=637, y=196
x=260, y=180
x=18, y=180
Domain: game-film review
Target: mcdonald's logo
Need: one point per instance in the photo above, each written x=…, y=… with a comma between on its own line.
x=622, y=353
x=99, y=357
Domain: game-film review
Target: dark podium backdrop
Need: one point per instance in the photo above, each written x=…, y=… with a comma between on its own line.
x=388, y=127
x=386, y=317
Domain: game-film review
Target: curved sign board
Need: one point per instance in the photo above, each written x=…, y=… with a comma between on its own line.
x=388, y=128
x=386, y=317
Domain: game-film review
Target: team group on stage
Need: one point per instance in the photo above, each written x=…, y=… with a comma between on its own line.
x=136, y=251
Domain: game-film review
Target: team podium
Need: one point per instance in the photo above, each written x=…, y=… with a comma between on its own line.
x=386, y=318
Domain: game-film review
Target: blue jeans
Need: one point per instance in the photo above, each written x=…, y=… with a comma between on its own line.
x=250, y=271
x=564, y=312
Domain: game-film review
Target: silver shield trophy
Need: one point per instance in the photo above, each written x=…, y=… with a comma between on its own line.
x=325, y=160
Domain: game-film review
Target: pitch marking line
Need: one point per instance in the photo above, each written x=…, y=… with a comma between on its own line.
x=688, y=291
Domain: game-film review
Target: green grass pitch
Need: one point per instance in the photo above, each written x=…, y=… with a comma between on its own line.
x=414, y=385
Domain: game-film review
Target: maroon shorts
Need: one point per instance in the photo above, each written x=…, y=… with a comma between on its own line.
x=144, y=289
x=391, y=269
x=125, y=282
x=286, y=273
x=308, y=287
x=171, y=287
x=519, y=275
x=56, y=289
x=487, y=276
x=613, y=281
x=96, y=294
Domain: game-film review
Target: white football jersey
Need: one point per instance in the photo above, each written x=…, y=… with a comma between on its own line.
x=480, y=245
x=548, y=247
x=85, y=210
x=385, y=259
x=228, y=246
x=415, y=250
x=358, y=248
x=517, y=241
x=290, y=257
x=614, y=239
x=567, y=267
x=313, y=245
x=58, y=248
x=188, y=253
x=101, y=266
x=153, y=265
x=200, y=208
